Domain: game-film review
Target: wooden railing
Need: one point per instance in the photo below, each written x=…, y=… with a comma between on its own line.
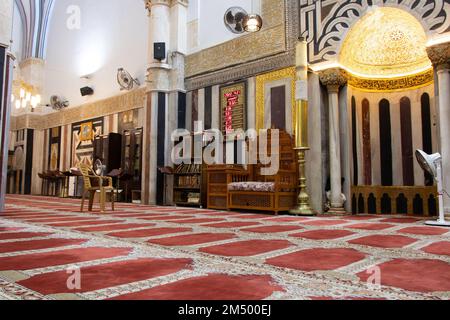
x=394, y=200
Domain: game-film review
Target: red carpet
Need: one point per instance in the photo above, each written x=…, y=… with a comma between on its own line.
x=138, y=215
x=325, y=222
x=272, y=229
x=231, y=225
x=84, y=223
x=22, y=235
x=115, y=227
x=6, y=229
x=251, y=216
x=36, y=216
x=384, y=241
x=400, y=220
x=193, y=239
x=227, y=251
x=415, y=275
x=60, y=257
x=71, y=219
x=371, y=226
x=168, y=218
x=198, y=221
x=106, y=275
x=317, y=259
x=247, y=248
x=439, y=248
x=146, y=233
x=361, y=218
x=323, y=234
x=38, y=244
x=212, y=287
x=425, y=231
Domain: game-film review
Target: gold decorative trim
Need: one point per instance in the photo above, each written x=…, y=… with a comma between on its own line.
x=269, y=41
x=260, y=93
x=124, y=102
x=416, y=81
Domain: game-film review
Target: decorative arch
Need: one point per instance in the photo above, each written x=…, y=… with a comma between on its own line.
x=35, y=16
x=325, y=24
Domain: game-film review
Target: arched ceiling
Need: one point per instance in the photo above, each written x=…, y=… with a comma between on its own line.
x=35, y=16
x=386, y=42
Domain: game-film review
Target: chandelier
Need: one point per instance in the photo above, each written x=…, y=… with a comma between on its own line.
x=25, y=96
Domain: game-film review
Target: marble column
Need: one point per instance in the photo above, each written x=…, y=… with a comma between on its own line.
x=333, y=79
x=165, y=80
x=440, y=57
x=6, y=69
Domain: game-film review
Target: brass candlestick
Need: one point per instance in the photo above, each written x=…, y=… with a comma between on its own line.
x=301, y=127
x=303, y=208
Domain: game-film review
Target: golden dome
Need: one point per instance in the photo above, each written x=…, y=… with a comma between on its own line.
x=385, y=42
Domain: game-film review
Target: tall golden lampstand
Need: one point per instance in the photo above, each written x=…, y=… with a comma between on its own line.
x=301, y=127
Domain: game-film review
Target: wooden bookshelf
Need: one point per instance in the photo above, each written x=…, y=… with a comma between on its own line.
x=188, y=185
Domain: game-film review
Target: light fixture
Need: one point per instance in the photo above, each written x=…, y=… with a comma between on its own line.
x=433, y=165
x=25, y=95
x=253, y=23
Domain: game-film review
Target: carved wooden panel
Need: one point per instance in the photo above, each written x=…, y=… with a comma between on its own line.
x=367, y=150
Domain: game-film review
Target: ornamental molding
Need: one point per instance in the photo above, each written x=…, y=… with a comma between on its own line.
x=325, y=23
x=169, y=3
x=268, y=63
x=129, y=101
x=393, y=84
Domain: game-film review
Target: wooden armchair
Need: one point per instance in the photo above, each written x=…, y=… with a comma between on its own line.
x=250, y=190
x=94, y=183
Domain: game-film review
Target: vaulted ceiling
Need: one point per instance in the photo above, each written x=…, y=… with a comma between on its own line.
x=35, y=16
x=386, y=42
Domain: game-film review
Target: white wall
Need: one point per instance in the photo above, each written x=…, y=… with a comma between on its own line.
x=6, y=8
x=208, y=15
x=17, y=32
x=111, y=36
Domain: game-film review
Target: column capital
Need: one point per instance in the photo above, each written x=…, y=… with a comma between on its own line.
x=333, y=78
x=170, y=3
x=440, y=55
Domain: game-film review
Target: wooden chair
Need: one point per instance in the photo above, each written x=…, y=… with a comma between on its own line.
x=94, y=183
x=250, y=190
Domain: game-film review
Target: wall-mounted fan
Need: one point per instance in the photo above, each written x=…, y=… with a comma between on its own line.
x=234, y=19
x=125, y=80
x=58, y=103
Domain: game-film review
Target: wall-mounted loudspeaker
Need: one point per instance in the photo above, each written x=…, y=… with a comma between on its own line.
x=159, y=52
x=87, y=91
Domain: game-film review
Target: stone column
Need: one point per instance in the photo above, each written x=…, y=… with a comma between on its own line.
x=333, y=79
x=165, y=79
x=6, y=69
x=440, y=57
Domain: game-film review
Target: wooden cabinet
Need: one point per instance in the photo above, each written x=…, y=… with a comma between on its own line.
x=189, y=185
x=132, y=161
x=217, y=182
x=108, y=150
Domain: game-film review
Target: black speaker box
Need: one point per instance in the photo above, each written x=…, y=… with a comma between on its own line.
x=87, y=91
x=159, y=52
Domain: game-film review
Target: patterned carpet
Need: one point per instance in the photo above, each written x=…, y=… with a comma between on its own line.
x=142, y=252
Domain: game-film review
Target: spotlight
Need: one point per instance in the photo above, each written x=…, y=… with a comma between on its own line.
x=433, y=165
